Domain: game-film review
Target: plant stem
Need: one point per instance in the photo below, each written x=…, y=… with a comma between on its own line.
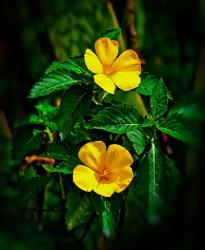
x=50, y=135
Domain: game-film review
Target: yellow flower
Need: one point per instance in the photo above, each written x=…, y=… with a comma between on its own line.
x=105, y=171
x=110, y=72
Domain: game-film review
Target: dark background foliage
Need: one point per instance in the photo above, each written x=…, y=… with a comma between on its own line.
x=171, y=40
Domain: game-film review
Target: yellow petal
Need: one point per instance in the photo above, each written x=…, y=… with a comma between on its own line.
x=84, y=178
x=105, y=83
x=126, y=62
x=126, y=80
x=117, y=157
x=105, y=189
x=92, y=154
x=92, y=62
x=123, y=178
x=106, y=51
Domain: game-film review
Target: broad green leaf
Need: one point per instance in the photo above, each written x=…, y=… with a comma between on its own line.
x=73, y=106
x=177, y=128
x=26, y=142
x=112, y=34
x=29, y=120
x=159, y=100
x=148, y=83
x=190, y=107
x=139, y=140
x=119, y=118
x=58, y=169
x=79, y=208
x=155, y=181
x=110, y=215
x=56, y=151
x=30, y=188
x=46, y=109
x=55, y=81
x=74, y=64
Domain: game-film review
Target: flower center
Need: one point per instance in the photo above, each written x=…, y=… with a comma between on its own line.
x=107, y=69
x=105, y=176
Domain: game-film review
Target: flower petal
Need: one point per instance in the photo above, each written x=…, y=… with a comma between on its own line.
x=92, y=154
x=106, y=51
x=84, y=178
x=126, y=62
x=105, y=189
x=126, y=80
x=123, y=178
x=92, y=62
x=105, y=83
x=117, y=157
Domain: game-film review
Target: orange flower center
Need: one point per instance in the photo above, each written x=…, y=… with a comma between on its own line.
x=105, y=176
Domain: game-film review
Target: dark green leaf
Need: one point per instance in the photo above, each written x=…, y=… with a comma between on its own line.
x=30, y=188
x=58, y=152
x=74, y=64
x=29, y=120
x=138, y=139
x=79, y=208
x=177, y=128
x=189, y=106
x=159, y=100
x=148, y=82
x=153, y=176
x=112, y=34
x=74, y=105
x=25, y=142
x=118, y=118
x=58, y=169
x=110, y=215
x=55, y=81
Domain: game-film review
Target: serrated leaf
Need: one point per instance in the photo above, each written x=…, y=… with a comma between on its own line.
x=159, y=100
x=138, y=139
x=74, y=64
x=79, y=208
x=148, y=82
x=55, y=81
x=112, y=34
x=56, y=151
x=119, y=118
x=155, y=180
x=73, y=106
x=177, y=128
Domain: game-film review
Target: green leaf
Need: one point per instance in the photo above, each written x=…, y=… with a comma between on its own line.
x=119, y=118
x=74, y=64
x=159, y=100
x=189, y=106
x=74, y=105
x=112, y=34
x=138, y=139
x=30, y=188
x=176, y=127
x=110, y=215
x=29, y=120
x=58, y=169
x=154, y=180
x=56, y=151
x=148, y=83
x=26, y=142
x=79, y=208
x=55, y=81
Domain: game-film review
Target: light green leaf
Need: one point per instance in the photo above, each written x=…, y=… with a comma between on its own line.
x=112, y=34
x=57, y=169
x=177, y=128
x=55, y=81
x=119, y=118
x=159, y=100
x=79, y=208
x=73, y=106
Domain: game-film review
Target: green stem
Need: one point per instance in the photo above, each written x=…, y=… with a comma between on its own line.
x=50, y=135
